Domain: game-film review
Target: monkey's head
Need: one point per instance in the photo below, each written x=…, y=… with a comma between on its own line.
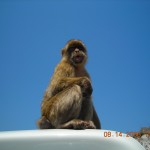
x=75, y=52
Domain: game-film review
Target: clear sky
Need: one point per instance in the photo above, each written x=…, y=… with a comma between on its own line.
x=117, y=36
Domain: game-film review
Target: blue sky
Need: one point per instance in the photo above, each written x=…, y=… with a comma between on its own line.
x=117, y=36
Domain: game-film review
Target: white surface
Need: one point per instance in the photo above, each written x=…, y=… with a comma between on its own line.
x=58, y=139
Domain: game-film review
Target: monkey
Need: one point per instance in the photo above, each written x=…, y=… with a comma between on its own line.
x=67, y=102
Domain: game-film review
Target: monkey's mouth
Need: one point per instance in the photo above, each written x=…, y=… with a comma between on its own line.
x=78, y=58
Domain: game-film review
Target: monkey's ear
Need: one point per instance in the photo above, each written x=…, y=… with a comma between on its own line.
x=62, y=51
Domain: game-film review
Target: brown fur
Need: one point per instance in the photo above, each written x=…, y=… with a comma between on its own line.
x=67, y=102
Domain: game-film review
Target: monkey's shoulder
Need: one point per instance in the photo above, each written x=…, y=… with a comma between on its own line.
x=64, y=69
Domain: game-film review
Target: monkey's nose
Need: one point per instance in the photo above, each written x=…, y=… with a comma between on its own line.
x=76, y=50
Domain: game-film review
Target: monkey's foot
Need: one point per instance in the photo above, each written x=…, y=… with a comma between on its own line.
x=78, y=125
x=88, y=125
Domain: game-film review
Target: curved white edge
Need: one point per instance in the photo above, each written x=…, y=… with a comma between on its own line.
x=63, y=139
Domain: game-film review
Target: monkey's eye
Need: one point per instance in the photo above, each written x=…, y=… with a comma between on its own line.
x=81, y=48
x=71, y=49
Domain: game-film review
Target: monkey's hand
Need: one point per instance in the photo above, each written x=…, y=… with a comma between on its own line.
x=86, y=87
x=83, y=82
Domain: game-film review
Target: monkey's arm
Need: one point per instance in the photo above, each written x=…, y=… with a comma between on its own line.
x=69, y=81
x=95, y=119
x=83, y=82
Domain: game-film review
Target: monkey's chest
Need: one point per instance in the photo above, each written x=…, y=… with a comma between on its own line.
x=79, y=73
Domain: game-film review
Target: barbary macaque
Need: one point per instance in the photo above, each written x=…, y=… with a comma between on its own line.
x=67, y=103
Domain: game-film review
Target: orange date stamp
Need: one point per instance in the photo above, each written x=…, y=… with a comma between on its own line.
x=115, y=134
x=120, y=134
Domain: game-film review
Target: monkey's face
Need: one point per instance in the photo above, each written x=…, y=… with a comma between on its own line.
x=75, y=52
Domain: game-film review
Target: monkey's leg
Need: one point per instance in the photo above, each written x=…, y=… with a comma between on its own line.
x=64, y=106
x=78, y=124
